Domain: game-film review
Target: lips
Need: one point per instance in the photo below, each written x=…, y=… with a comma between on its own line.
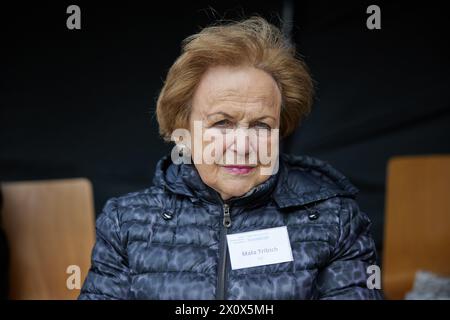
x=239, y=169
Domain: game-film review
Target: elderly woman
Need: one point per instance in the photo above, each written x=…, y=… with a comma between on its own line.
x=228, y=216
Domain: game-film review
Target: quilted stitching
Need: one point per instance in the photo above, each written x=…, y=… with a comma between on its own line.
x=163, y=242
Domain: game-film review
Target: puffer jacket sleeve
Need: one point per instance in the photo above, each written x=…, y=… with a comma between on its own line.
x=345, y=276
x=108, y=277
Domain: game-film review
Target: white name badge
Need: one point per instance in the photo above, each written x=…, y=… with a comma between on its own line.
x=259, y=247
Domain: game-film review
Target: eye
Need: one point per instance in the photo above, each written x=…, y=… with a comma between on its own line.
x=262, y=125
x=223, y=123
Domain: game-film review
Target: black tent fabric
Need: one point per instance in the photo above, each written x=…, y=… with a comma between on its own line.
x=380, y=93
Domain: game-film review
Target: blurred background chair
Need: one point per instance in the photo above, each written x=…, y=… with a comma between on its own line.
x=49, y=226
x=417, y=221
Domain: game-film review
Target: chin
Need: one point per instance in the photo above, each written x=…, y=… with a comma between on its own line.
x=237, y=191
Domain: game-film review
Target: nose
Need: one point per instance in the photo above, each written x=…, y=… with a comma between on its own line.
x=241, y=142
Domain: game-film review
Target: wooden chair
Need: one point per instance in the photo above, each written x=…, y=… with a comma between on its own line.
x=417, y=222
x=49, y=226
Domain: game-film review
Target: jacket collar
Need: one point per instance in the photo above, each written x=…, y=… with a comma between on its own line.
x=184, y=179
x=300, y=180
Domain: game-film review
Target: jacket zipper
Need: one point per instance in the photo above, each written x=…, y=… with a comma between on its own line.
x=220, y=292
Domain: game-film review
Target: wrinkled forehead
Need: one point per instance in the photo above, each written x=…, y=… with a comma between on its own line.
x=233, y=89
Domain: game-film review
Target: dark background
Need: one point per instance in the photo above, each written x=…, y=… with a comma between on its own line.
x=80, y=103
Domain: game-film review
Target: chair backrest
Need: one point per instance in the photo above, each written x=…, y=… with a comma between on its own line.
x=50, y=227
x=417, y=221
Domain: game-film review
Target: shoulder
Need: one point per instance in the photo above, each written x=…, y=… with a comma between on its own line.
x=136, y=205
x=325, y=191
x=313, y=174
x=305, y=179
x=143, y=197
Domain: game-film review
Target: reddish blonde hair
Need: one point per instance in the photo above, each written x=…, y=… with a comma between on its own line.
x=251, y=42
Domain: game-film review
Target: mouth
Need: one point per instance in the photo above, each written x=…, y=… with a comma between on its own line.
x=239, y=170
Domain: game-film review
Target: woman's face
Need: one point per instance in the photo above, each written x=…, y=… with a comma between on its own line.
x=239, y=107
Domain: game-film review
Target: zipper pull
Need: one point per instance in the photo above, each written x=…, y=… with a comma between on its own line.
x=226, y=216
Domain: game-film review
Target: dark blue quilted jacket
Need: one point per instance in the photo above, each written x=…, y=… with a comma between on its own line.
x=169, y=241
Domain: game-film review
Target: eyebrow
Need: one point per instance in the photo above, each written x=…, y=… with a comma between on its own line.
x=229, y=116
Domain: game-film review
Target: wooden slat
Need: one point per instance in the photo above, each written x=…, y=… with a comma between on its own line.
x=49, y=226
x=417, y=222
